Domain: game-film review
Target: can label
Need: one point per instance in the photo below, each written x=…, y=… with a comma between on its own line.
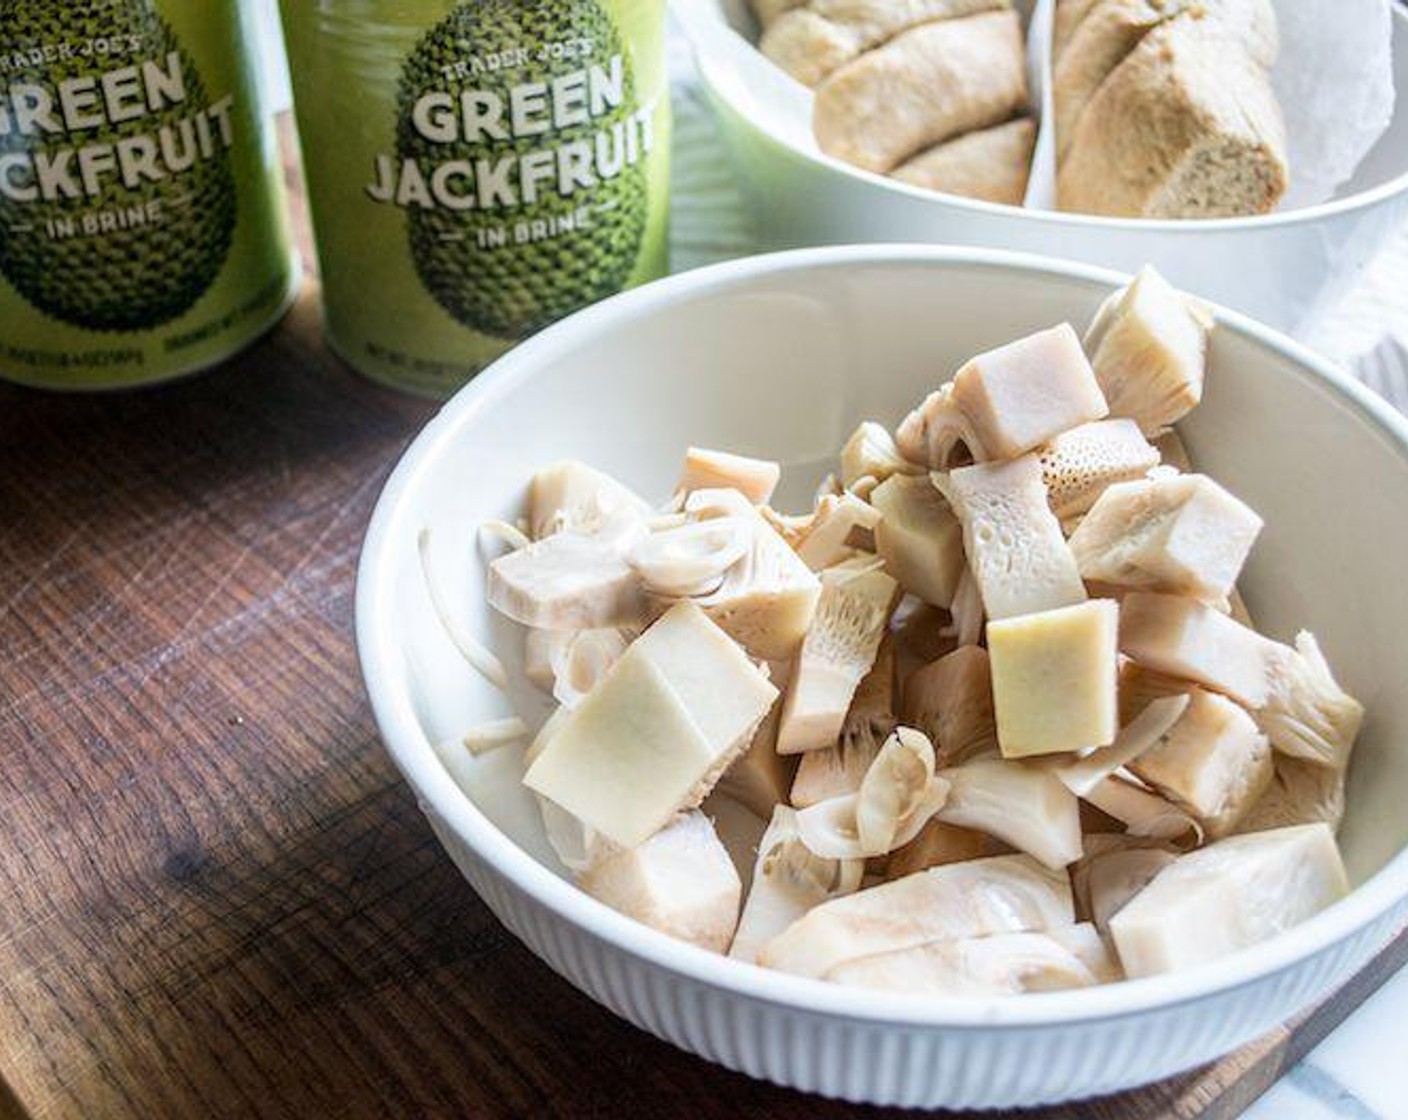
x=142, y=226
x=518, y=171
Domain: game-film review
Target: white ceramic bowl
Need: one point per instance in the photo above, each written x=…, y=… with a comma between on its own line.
x=781, y=356
x=1286, y=269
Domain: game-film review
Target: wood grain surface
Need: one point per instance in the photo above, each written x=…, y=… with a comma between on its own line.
x=216, y=897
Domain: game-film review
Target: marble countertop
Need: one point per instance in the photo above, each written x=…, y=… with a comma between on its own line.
x=1360, y=1072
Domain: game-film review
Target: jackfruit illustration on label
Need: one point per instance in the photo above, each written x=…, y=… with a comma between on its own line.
x=519, y=160
x=117, y=196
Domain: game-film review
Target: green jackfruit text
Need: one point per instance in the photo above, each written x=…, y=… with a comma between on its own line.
x=117, y=198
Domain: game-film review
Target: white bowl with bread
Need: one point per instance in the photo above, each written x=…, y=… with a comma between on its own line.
x=782, y=356
x=1166, y=141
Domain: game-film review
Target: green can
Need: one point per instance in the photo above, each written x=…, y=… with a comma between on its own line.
x=143, y=228
x=476, y=170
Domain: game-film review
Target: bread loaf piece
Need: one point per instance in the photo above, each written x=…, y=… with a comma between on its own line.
x=1069, y=14
x=1113, y=28
x=1187, y=126
x=921, y=88
x=807, y=45
x=769, y=11
x=811, y=41
x=992, y=164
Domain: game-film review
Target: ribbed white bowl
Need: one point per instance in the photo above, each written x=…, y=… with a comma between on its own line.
x=782, y=355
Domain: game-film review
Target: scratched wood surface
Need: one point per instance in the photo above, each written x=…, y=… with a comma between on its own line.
x=216, y=898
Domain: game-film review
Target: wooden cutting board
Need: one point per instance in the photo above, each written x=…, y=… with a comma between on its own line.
x=216, y=897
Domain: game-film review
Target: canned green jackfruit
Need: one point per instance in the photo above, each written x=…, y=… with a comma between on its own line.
x=476, y=170
x=143, y=232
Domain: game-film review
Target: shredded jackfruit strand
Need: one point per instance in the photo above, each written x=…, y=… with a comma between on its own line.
x=792, y=863
x=863, y=487
x=691, y=560
x=967, y=610
x=670, y=519
x=1145, y=813
x=1301, y=792
x=1136, y=737
x=829, y=830
x=575, y=844
x=702, y=505
x=893, y=787
x=479, y=657
x=1309, y=715
x=578, y=666
x=502, y=531
x=495, y=733
x=947, y=436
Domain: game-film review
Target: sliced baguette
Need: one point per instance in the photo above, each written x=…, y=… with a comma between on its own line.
x=1113, y=28
x=807, y=45
x=1187, y=126
x=811, y=41
x=1069, y=14
x=769, y=11
x=921, y=88
x=991, y=164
